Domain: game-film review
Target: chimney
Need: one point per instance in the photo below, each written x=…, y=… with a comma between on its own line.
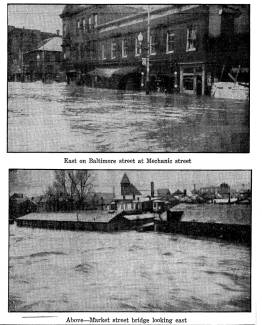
x=152, y=189
x=185, y=193
x=57, y=32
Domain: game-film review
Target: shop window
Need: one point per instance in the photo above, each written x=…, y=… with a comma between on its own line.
x=124, y=48
x=170, y=42
x=188, y=83
x=152, y=46
x=113, y=50
x=191, y=39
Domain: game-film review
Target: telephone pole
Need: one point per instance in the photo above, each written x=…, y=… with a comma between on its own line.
x=148, y=51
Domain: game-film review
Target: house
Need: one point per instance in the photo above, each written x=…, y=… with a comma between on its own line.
x=128, y=190
x=188, y=48
x=20, y=41
x=45, y=62
x=20, y=205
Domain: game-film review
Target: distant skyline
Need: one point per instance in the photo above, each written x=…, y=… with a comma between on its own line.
x=35, y=182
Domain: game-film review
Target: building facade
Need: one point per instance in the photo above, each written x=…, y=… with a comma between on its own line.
x=20, y=41
x=188, y=47
x=45, y=62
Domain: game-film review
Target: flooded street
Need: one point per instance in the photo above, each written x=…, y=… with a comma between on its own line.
x=84, y=271
x=66, y=118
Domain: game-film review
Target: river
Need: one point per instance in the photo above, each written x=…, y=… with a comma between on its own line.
x=66, y=118
x=125, y=271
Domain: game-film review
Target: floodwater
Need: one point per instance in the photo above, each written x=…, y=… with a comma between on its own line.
x=126, y=271
x=66, y=118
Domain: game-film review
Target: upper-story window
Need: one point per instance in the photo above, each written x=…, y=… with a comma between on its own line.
x=170, y=42
x=65, y=29
x=95, y=20
x=90, y=23
x=124, y=48
x=152, y=45
x=84, y=24
x=78, y=26
x=103, y=52
x=113, y=49
x=138, y=47
x=191, y=38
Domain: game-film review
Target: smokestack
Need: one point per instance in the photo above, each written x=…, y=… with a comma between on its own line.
x=152, y=189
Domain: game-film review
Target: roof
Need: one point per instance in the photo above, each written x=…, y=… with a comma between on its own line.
x=178, y=192
x=84, y=216
x=125, y=179
x=130, y=189
x=124, y=10
x=53, y=44
x=163, y=191
x=140, y=216
x=72, y=9
x=215, y=213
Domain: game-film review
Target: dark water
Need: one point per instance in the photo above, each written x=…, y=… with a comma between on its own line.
x=57, y=117
x=127, y=271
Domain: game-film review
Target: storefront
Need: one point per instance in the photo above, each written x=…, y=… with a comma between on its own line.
x=192, y=78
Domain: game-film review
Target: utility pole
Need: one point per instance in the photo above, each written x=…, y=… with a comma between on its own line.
x=148, y=50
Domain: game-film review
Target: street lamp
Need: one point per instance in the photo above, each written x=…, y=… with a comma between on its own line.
x=140, y=39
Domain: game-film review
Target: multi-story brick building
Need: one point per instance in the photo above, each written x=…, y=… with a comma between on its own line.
x=188, y=46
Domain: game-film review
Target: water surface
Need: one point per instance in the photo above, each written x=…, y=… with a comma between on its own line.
x=66, y=118
x=126, y=271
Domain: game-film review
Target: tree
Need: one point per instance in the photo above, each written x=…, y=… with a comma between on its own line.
x=71, y=185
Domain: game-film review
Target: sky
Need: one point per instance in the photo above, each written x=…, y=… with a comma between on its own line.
x=35, y=182
x=43, y=17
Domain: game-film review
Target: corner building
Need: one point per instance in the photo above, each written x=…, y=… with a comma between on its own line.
x=188, y=46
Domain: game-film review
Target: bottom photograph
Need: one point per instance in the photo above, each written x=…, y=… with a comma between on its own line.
x=129, y=240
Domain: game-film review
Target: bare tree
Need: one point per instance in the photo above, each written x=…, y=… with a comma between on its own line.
x=71, y=184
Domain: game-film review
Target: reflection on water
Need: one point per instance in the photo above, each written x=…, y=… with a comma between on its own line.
x=90, y=271
x=67, y=118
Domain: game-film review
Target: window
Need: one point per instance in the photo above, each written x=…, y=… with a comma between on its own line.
x=124, y=48
x=113, y=50
x=170, y=42
x=78, y=27
x=191, y=39
x=138, y=48
x=103, y=53
x=90, y=23
x=95, y=20
x=152, y=46
x=84, y=24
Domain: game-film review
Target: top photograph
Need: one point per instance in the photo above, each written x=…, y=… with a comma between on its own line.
x=128, y=78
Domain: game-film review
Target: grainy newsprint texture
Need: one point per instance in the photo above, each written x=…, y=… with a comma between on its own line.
x=128, y=78
x=130, y=240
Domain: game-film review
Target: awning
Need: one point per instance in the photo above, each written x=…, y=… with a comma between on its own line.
x=109, y=72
